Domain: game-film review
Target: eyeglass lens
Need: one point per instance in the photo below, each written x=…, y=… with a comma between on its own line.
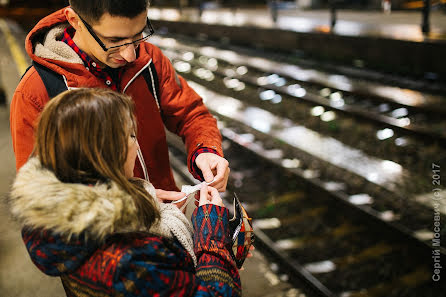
x=148, y=31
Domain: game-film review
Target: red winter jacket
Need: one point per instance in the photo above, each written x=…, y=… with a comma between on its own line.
x=182, y=110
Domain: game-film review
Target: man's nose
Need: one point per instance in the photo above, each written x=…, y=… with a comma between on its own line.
x=129, y=53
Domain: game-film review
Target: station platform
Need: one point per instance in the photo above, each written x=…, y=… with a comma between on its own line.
x=399, y=25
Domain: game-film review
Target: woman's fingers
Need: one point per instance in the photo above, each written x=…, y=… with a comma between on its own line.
x=170, y=196
x=215, y=196
x=203, y=195
x=209, y=195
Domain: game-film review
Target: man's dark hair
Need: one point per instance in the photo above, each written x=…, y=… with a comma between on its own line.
x=93, y=10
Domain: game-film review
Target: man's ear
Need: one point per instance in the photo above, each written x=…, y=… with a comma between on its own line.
x=73, y=18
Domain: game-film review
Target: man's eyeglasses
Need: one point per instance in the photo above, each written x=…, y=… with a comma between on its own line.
x=148, y=31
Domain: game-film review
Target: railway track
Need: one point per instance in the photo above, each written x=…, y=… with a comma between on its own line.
x=373, y=137
x=407, y=111
x=343, y=220
x=321, y=241
x=345, y=153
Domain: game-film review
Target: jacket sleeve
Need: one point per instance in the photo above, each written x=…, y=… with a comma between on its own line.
x=184, y=113
x=211, y=240
x=216, y=274
x=24, y=112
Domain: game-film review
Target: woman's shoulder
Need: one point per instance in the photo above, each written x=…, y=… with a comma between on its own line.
x=125, y=253
x=124, y=258
x=151, y=264
x=146, y=245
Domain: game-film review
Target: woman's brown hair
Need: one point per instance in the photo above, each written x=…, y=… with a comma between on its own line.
x=82, y=136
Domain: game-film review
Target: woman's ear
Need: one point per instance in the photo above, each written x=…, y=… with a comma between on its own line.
x=73, y=18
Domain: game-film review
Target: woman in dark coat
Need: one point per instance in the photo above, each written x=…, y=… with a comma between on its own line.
x=103, y=234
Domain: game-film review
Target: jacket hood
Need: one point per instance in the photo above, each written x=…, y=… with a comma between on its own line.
x=65, y=222
x=43, y=43
x=39, y=200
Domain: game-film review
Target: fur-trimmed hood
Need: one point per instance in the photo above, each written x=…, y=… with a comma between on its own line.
x=39, y=200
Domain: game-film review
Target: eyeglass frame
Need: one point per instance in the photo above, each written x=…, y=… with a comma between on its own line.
x=102, y=45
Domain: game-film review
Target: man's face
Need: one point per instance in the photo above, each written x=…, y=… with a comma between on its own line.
x=112, y=31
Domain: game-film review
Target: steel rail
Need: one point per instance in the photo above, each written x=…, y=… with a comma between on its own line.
x=305, y=278
x=286, y=72
x=350, y=110
x=298, y=274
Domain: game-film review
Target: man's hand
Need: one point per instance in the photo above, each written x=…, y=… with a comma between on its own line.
x=214, y=168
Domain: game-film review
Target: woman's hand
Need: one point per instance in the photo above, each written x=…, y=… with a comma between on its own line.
x=169, y=196
x=209, y=195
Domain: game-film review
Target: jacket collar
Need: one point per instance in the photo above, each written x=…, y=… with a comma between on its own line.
x=39, y=200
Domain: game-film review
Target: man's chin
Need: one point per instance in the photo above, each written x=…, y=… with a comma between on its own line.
x=116, y=63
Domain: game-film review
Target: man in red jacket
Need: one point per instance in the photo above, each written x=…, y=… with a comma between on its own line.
x=102, y=44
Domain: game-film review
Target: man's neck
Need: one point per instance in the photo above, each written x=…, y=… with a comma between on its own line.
x=85, y=49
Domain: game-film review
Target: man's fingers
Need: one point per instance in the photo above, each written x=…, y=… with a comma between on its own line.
x=221, y=179
x=207, y=174
x=221, y=170
x=208, y=163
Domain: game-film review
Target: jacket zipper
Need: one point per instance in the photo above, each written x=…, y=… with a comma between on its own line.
x=139, y=152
